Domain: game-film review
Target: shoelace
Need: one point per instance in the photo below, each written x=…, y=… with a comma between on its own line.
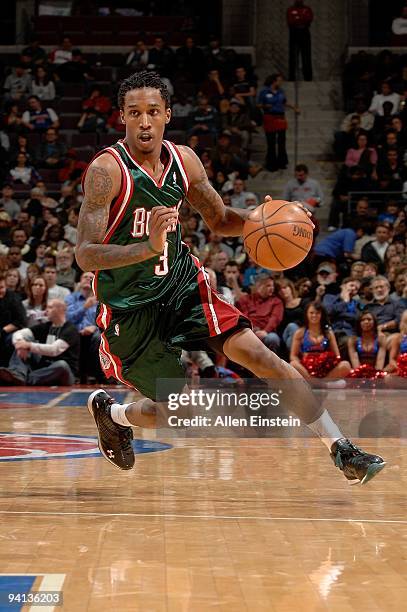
x=351, y=448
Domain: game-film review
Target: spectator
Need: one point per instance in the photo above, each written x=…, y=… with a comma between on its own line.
x=22, y=146
x=366, y=120
x=216, y=56
x=15, y=260
x=237, y=121
x=239, y=195
x=63, y=53
x=42, y=86
x=38, y=54
x=181, y=108
x=386, y=311
x=190, y=61
x=213, y=88
x=76, y=70
x=23, y=172
x=13, y=281
x=138, y=57
x=363, y=156
x=114, y=124
x=244, y=89
x=81, y=304
x=18, y=84
x=293, y=311
x=36, y=303
x=98, y=102
x=161, y=58
x=353, y=181
x=392, y=170
x=375, y=250
x=218, y=261
x=338, y=245
x=12, y=118
x=66, y=274
x=12, y=317
x=46, y=354
x=55, y=292
x=231, y=289
x=72, y=169
x=400, y=283
x=399, y=25
x=299, y=19
x=398, y=349
x=71, y=232
x=264, y=309
x=390, y=213
x=273, y=101
x=303, y=189
x=314, y=350
x=19, y=238
x=7, y=202
x=326, y=280
x=386, y=95
x=356, y=270
x=204, y=119
x=343, y=309
x=40, y=251
x=37, y=119
x=52, y=151
x=367, y=350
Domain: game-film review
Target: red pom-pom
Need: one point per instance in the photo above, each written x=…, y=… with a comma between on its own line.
x=402, y=365
x=366, y=370
x=319, y=365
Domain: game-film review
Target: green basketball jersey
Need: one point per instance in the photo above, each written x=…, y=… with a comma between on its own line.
x=135, y=285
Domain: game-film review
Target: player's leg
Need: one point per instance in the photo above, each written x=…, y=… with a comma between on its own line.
x=245, y=348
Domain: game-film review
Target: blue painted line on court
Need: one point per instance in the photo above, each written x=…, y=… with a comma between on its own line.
x=35, y=398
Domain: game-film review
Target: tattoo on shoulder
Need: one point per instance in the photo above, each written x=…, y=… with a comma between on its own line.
x=98, y=186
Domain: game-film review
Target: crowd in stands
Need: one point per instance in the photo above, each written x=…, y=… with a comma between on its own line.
x=341, y=309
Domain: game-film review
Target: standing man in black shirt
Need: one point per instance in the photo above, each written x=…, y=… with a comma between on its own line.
x=46, y=354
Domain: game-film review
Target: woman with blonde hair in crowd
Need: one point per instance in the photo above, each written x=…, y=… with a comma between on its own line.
x=13, y=281
x=36, y=303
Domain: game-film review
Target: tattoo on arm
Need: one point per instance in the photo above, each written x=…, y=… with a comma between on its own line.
x=91, y=253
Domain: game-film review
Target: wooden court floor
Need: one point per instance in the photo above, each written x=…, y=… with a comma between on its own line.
x=199, y=525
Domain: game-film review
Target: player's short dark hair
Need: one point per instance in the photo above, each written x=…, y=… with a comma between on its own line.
x=142, y=79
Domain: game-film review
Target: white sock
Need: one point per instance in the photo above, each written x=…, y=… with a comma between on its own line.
x=326, y=429
x=118, y=414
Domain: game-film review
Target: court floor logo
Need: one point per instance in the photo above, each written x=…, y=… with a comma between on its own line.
x=26, y=446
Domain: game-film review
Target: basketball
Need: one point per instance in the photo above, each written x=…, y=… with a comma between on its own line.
x=278, y=235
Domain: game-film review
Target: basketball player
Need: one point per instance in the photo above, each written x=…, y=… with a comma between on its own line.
x=155, y=298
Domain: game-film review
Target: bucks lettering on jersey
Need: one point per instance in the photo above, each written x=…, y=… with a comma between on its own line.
x=137, y=284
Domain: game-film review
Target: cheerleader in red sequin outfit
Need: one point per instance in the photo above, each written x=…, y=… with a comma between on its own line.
x=314, y=351
x=398, y=351
x=367, y=350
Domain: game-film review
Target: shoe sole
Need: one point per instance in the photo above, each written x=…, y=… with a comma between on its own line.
x=372, y=470
x=90, y=408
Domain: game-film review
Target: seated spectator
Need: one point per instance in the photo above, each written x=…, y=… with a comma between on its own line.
x=18, y=84
x=303, y=287
x=12, y=120
x=386, y=311
x=52, y=151
x=355, y=180
x=66, y=274
x=161, y=58
x=362, y=213
x=366, y=119
x=338, y=245
x=264, y=309
x=388, y=141
x=81, y=304
x=398, y=350
x=71, y=232
x=398, y=127
x=138, y=57
x=181, y=108
x=76, y=70
x=97, y=102
x=213, y=88
x=326, y=281
x=32, y=272
x=63, y=53
x=293, y=311
x=19, y=238
x=42, y=86
x=367, y=349
x=46, y=354
x=114, y=123
x=40, y=250
x=237, y=121
x=23, y=173
x=190, y=61
x=399, y=25
x=231, y=289
x=15, y=260
x=400, y=284
x=386, y=95
x=303, y=189
x=22, y=146
x=204, y=119
x=314, y=350
x=217, y=57
x=375, y=250
x=13, y=282
x=8, y=203
x=363, y=156
x=392, y=168
x=72, y=169
x=356, y=270
x=36, y=52
x=343, y=309
x=12, y=317
x=37, y=119
x=55, y=292
x=239, y=194
x=36, y=303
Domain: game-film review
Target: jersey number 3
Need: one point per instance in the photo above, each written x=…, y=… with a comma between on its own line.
x=161, y=269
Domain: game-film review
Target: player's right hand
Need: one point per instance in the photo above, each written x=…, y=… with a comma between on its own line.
x=161, y=220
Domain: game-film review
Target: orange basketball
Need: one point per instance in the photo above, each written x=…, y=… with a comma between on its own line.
x=278, y=235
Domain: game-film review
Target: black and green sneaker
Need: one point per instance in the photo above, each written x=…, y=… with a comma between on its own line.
x=354, y=462
x=114, y=440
